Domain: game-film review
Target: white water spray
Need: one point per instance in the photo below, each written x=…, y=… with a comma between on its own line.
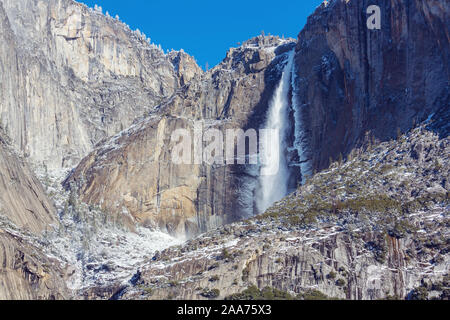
x=275, y=186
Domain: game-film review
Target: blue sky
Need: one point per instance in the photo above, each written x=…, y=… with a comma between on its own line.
x=206, y=29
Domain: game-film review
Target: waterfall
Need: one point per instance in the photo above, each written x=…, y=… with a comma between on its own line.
x=273, y=187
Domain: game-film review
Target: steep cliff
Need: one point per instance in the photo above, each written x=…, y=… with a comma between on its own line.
x=134, y=173
x=79, y=90
x=351, y=80
x=350, y=84
x=72, y=76
x=26, y=269
x=27, y=272
x=375, y=227
x=22, y=198
x=185, y=66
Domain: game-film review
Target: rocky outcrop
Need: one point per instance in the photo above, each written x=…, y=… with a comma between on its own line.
x=32, y=211
x=372, y=228
x=351, y=80
x=72, y=76
x=134, y=173
x=26, y=272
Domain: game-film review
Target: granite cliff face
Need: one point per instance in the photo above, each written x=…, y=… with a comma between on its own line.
x=26, y=271
x=72, y=76
x=32, y=211
x=351, y=80
x=349, y=84
x=82, y=93
x=69, y=77
x=374, y=227
x=133, y=172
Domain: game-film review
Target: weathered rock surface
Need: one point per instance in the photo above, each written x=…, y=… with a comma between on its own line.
x=349, y=84
x=134, y=173
x=72, y=76
x=26, y=272
x=22, y=199
x=351, y=80
x=78, y=88
x=375, y=227
x=185, y=66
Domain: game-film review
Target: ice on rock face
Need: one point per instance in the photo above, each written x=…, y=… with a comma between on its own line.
x=274, y=185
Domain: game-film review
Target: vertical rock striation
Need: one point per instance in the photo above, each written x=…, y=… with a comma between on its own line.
x=72, y=76
x=133, y=172
x=351, y=80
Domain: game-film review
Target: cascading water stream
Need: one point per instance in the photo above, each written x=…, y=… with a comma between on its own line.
x=273, y=187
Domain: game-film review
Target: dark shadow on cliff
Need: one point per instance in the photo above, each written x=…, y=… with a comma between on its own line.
x=246, y=176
